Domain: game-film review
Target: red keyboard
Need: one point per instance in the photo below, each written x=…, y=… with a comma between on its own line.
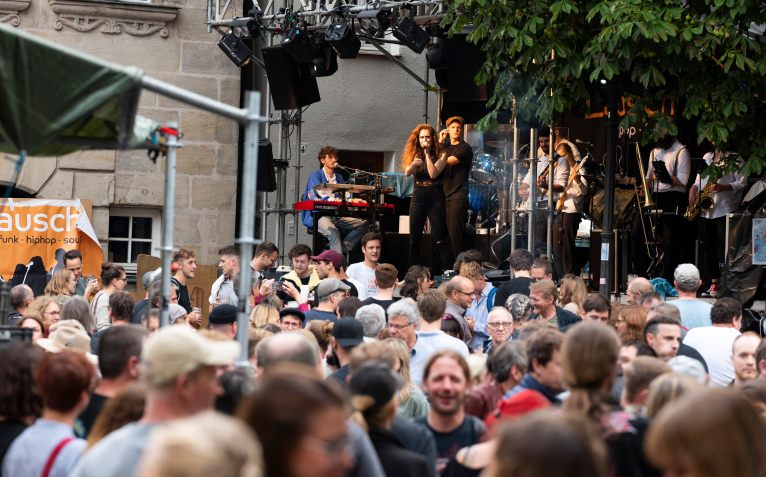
x=386, y=209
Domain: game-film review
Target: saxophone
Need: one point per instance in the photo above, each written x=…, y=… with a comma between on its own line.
x=705, y=203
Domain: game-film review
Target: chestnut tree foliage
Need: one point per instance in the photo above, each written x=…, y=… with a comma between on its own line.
x=708, y=55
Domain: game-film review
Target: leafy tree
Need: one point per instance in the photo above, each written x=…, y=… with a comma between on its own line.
x=706, y=53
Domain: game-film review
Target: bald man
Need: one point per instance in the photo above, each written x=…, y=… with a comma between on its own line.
x=460, y=295
x=636, y=288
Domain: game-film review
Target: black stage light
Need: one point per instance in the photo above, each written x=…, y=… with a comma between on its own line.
x=412, y=35
x=299, y=44
x=325, y=63
x=235, y=49
x=372, y=20
x=343, y=40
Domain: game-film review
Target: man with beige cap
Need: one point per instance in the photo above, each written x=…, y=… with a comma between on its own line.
x=178, y=366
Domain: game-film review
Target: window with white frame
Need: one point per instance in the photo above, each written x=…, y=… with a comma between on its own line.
x=132, y=232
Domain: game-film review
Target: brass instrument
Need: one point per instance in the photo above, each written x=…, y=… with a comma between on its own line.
x=705, y=203
x=572, y=176
x=652, y=250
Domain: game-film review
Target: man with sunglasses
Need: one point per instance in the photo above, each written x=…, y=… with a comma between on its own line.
x=329, y=294
x=460, y=295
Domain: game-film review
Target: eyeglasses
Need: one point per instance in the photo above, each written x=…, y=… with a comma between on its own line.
x=473, y=294
x=398, y=327
x=502, y=324
x=332, y=448
x=289, y=324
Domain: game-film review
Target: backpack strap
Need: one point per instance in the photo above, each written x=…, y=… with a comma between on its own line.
x=491, y=299
x=54, y=454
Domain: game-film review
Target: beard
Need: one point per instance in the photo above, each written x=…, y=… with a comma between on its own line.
x=665, y=142
x=450, y=408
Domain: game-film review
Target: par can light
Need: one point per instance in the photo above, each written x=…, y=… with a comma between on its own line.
x=343, y=40
x=235, y=49
x=372, y=20
x=299, y=45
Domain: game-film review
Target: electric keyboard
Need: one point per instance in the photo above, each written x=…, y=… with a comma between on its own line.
x=343, y=208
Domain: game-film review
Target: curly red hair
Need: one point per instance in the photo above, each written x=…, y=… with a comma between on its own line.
x=412, y=149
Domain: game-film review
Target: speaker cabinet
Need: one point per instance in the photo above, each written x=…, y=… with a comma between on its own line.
x=292, y=85
x=464, y=61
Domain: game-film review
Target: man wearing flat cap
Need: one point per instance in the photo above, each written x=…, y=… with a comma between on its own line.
x=459, y=159
x=223, y=318
x=329, y=294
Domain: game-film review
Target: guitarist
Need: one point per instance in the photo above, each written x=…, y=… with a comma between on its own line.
x=569, y=209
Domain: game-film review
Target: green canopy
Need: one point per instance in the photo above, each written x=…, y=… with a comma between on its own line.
x=54, y=100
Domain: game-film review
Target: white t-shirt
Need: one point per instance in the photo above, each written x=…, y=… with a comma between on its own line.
x=715, y=343
x=366, y=278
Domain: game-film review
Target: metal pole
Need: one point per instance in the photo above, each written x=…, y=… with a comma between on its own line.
x=425, y=97
x=246, y=240
x=267, y=135
x=439, y=103
x=196, y=100
x=607, y=234
x=278, y=199
x=399, y=63
x=297, y=176
x=549, y=246
x=167, y=222
x=532, y=189
x=514, y=184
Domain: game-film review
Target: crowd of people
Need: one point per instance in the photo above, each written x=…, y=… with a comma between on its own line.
x=352, y=373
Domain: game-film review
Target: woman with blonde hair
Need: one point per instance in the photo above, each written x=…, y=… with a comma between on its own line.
x=666, y=389
x=62, y=285
x=710, y=433
x=572, y=294
x=631, y=321
x=423, y=158
x=264, y=314
x=413, y=402
x=46, y=308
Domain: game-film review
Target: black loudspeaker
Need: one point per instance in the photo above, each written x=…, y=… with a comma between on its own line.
x=412, y=35
x=343, y=40
x=464, y=60
x=267, y=178
x=292, y=85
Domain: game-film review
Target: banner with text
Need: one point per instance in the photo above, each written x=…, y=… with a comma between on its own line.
x=35, y=234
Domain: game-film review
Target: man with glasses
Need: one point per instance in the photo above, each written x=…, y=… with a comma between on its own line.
x=460, y=295
x=403, y=323
x=481, y=304
x=291, y=319
x=329, y=294
x=499, y=326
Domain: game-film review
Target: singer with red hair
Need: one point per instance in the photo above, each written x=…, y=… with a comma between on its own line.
x=422, y=157
x=331, y=227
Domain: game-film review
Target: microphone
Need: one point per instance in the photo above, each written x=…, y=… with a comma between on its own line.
x=578, y=141
x=338, y=166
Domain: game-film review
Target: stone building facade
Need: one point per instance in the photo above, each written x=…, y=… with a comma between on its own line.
x=368, y=105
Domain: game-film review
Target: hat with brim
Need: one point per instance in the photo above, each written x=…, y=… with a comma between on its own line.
x=177, y=350
x=68, y=338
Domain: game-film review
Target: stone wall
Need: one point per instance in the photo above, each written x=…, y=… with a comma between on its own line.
x=169, y=41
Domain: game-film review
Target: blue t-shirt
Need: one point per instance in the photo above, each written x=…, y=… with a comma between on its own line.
x=440, y=340
x=319, y=315
x=694, y=313
x=30, y=451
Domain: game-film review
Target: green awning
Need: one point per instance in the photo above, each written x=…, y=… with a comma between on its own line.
x=55, y=100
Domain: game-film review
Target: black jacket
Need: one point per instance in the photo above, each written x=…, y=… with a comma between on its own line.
x=397, y=461
x=566, y=318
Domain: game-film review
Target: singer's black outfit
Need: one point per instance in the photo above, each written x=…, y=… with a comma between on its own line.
x=456, y=191
x=428, y=202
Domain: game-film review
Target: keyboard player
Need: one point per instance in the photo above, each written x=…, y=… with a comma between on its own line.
x=343, y=233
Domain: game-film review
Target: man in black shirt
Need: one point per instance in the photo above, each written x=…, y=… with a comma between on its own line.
x=187, y=268
x=521, y=264
x=459, y=159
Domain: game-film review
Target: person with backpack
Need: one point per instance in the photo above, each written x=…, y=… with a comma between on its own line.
x=481, y=304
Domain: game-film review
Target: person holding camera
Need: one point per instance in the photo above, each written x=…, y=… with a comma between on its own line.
x=327, y=265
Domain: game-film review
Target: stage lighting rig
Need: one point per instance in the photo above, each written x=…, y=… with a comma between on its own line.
x=374, y=20
x=324, y=63
x=235, y=49
x=341, y=37
x=299, y=43
x=411, y=34
x=247, y=27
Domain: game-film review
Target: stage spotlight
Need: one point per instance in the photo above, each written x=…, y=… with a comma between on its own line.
x=372, y=20
x=343, y=40
x=412, y=35
x=325, y=63
x=299, y=44
x=235, y=49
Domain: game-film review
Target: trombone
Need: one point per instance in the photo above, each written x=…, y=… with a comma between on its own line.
x=651, y=250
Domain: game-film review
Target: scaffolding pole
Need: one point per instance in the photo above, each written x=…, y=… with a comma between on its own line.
x=551, y=139
x=532, y=190
x=514, y=182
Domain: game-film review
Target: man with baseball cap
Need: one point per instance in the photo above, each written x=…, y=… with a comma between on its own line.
x=178, y=366
x=329, y=294
x=459, y=159
x=346, y=335
x=327, y=265
x=223, y=318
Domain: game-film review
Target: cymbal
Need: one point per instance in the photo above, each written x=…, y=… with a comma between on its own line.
x=496, y=144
